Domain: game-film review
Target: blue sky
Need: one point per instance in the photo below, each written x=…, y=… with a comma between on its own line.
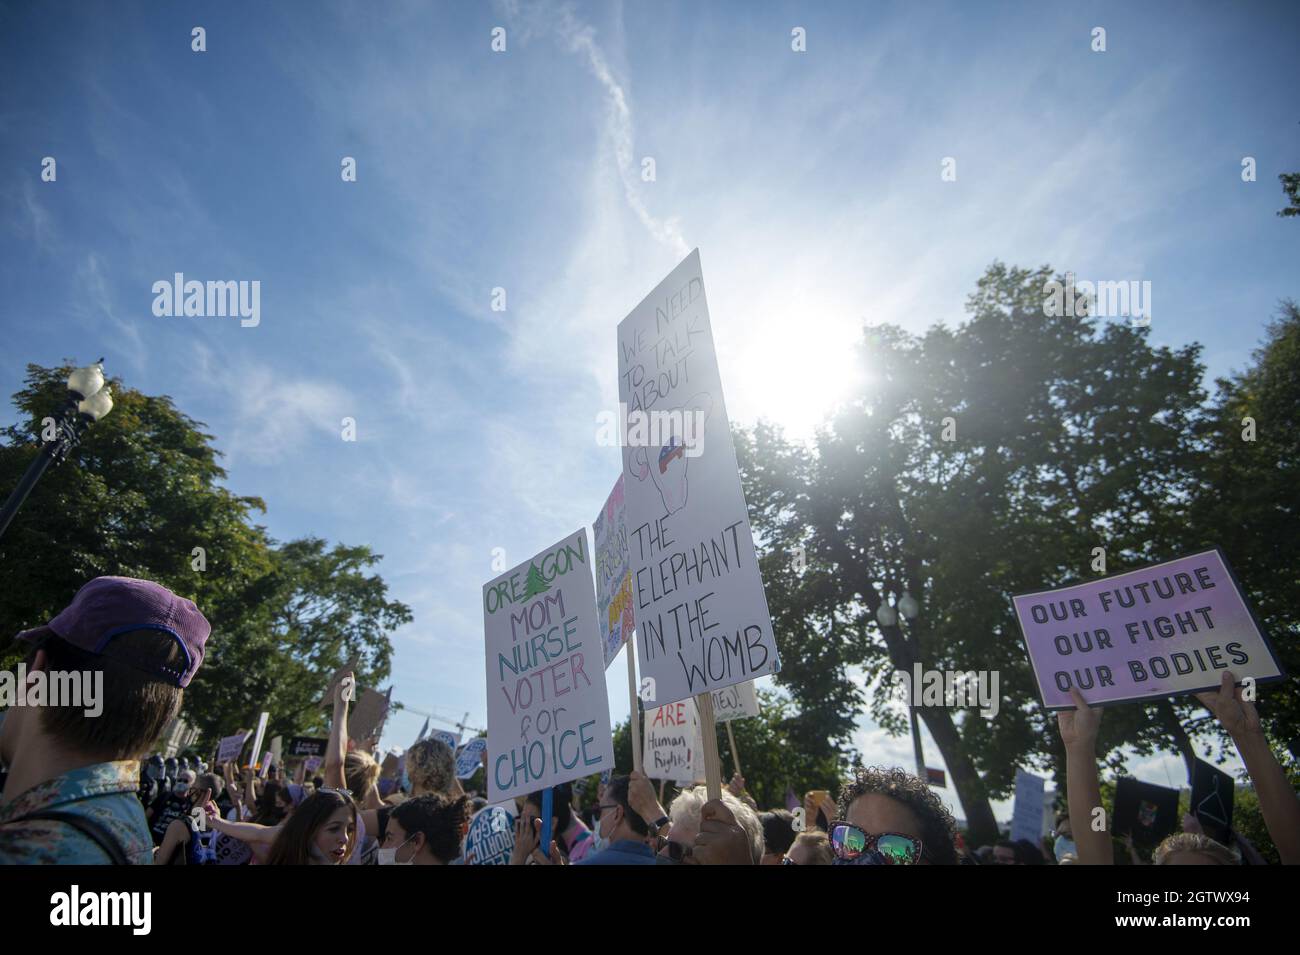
x=810, y=182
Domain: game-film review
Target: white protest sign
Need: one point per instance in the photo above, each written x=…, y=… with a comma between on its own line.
x=230, y=746
x=1027, y=813
x=734, y=702
x=701, y=614
x=470, y=757
x=673, y=747
x=548, y=713
x=613, y=574
x=261, y=731
x=451, y=739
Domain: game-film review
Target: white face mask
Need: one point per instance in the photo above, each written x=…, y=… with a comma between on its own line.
x=180, y=787
x=389, y=856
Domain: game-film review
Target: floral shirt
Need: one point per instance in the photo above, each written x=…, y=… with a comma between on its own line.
x=106, y=792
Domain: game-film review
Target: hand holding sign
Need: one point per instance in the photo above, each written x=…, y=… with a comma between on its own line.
x=1079, y=726
x=1239, y=717
x=721, y=841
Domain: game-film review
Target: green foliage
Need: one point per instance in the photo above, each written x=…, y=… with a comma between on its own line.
x=139, y=494
x=1069, y=434
x=769, y=755
x=1291, y=189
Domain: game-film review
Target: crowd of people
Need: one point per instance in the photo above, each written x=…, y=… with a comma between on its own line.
x=76, y=789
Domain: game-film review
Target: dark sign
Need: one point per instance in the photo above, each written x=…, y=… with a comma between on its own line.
x=307, y=746
x=1212, y=791
x=1145, y=811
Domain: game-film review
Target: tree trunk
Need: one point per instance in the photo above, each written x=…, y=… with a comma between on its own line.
x=982, y=827
x=1182, y=742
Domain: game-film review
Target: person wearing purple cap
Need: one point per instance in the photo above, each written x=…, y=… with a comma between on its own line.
x=73, y=771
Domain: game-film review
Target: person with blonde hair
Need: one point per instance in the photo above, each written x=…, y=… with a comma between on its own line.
x=810, y=848
x=431, y=768
x=1193, y=848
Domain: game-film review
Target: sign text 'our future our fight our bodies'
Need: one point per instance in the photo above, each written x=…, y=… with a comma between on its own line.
x=700, y=610
x=1163, y=630
x=548, y=715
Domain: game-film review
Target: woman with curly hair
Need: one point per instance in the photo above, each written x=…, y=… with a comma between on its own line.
x=890, y=817
x=431, y=767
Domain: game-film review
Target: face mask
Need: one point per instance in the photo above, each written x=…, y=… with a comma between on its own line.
x=389, y=856
x=1063, y=845
x=180, y=787
x=598, y=841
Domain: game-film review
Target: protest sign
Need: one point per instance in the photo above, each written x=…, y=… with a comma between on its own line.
x=268, y=760
x=701, y=614
x=735, y=702
x=470, y=757
x=936, y=777
x=1145, y=811
x=614, y=599
x=1167, y=629
x=257, y=738
x=1027, y=811
x=451, y=739
x=307, y=746
x=230, y=746
x=313, y=763
x=613, y=574
x=673, y=742
x=1212, y=796
x=491, y=837
x=548, y=713
x=367, y=717
x=391, y=767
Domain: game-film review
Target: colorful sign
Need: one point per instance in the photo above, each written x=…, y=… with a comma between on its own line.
x=548, y=712
x=673, y=747
x=491, y=837
x=701, y=614
x=613, y=574
x=1164, y=630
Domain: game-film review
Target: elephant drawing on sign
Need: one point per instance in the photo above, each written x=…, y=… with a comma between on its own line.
x=668, y=470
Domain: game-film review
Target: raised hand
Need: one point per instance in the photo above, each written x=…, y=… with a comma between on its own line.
x=1079, y=726
x=1239, y=717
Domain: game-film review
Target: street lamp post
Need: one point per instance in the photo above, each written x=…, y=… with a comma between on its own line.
x=887, y=616
x=89, y=399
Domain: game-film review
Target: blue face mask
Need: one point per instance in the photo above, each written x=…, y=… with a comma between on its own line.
x=1064, y=845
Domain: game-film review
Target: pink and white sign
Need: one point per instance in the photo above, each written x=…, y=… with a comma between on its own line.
x=1164, y=630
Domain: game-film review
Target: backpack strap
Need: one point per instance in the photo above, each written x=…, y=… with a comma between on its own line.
x=88, y=827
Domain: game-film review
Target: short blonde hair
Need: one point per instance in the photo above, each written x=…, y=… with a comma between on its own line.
x=688, y=805
x=1194, y=842
x=819, y=844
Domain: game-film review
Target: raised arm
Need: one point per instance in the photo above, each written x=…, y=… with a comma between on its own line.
x=336, y=750
x=1082, y=787
x=1278, y=803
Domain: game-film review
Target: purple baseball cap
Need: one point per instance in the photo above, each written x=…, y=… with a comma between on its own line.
x=109, y=606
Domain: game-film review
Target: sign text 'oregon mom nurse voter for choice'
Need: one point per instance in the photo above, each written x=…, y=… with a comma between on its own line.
x=548, y=713
x=701, y=614
x=1163, y=630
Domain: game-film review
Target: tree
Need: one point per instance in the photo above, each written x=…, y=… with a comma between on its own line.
x=140, y=494
x=975, y=463
x=535, y=583
x=1291, y=189
x=1246, y=503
